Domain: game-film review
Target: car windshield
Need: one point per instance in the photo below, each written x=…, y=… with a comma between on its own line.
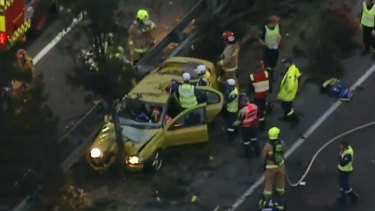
x=141, y=114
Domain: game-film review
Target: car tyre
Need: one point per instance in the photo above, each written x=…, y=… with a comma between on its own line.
x=156, y=162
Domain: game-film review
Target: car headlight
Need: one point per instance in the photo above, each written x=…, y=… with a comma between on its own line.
x=134, y=159
x=95, y=153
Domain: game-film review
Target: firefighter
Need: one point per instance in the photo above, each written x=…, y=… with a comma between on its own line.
x=141, y=36
x=273, y=154
x=288, y=91
x=260, y=87
x=204, y=75
x=368, y=23
x=25, y=62
x=248, y=121
x=229, y=57
x=187, y=93
x=270, y=38
x=231, y=99
x=345, y=168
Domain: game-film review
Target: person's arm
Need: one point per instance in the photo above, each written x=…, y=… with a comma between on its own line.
x=343, y=161
x=239, y=120
x=262, y=36
x=265, y=151
x=231, y=98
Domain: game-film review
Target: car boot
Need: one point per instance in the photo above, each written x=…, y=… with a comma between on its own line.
x=353, y=196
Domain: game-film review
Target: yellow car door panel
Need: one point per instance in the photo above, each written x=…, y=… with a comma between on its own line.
x=214, y=100
x=189, y=127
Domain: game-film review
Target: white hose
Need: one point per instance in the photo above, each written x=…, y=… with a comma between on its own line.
x=323, y=147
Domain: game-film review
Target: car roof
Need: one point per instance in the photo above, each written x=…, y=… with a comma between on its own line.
x=153, y=88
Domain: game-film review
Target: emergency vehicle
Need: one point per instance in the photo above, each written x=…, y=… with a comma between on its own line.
x=17, y=17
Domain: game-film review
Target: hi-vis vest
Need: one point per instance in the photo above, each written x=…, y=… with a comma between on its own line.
x=275, y=157
x=272, y=37
x=204, y=79
x=251, y=116
x=233, y=106
x=348, y=167
x=187, y=96
x=368, y=16
x=261, y=84
x=289, y=84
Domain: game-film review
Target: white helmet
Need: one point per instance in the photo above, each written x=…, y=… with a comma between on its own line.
x=200, y=69
x=231, y=82
x=186, y=77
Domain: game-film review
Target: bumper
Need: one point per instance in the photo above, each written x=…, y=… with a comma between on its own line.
x=101, y=166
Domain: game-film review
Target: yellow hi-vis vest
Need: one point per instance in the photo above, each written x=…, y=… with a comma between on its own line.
x=272, y=37
x=233, y=106
x=187, y=96
x=348, y=167
x=289, y=84
x=368, y=16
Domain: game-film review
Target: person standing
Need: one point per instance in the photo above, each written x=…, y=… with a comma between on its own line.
x=229, y=57
x=368, y=23
x=288, y=91
x=248, y=121
x=231, y=99
x=270, y=38
x=345, y=167
x=204, y=75
x=260, y=88
x=273, y=154
x=141, y=36
x=187, y=93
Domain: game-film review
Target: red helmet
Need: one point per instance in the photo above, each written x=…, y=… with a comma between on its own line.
x=228, y=36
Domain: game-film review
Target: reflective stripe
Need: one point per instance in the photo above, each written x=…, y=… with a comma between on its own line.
x=272, y=166
x=261, y=86
x=350, y=190
x=233, y=106
x=187, y=95
x=290, y=112
x=272, y=37
x=140, y=50
x=348, y=167
x=230, y=130
x=2, y=24
x=368, y=16
x=230, y=69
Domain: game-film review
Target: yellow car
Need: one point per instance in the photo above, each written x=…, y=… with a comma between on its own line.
x=152, y=120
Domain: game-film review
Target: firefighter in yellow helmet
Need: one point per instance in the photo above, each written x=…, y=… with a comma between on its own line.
x=141, y=36
x=273, y=154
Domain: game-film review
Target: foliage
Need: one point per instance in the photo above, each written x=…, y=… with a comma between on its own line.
x=113, y=78
x=336, y=38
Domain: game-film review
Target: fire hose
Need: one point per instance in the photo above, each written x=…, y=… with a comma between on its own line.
x=301, y=180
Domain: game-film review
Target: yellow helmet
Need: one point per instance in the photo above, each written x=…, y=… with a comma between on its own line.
x=273, y=133
x=142, y=14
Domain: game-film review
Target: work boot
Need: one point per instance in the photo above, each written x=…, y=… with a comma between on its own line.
x=295, y=120
x=353, y=196
x=365, y=52
x=343, y=200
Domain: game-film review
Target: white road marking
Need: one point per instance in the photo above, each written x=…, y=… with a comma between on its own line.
x=57, y=39
x=300, y=141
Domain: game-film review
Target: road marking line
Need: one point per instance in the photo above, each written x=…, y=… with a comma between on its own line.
x=300, y=141
x=57, y=39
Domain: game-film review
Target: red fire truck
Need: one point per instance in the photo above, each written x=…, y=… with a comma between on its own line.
x=20, y=16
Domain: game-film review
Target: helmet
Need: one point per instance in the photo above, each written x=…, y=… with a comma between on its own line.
x=142, y=14
x=231, y=82
x=228, y=36
x=273, y=133
x=274, y=19
x=200, y=69
x=243, y=100
x=186, y=77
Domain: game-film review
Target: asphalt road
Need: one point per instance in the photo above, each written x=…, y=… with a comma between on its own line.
x=217, y=173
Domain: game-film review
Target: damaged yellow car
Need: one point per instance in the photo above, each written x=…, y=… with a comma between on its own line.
x=152, y=120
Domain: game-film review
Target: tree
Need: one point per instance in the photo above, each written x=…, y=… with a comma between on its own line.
x=110, y=78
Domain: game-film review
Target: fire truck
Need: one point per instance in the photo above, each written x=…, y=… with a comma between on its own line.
x=20, y=17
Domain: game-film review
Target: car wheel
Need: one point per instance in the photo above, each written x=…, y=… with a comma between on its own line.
x=156, y=162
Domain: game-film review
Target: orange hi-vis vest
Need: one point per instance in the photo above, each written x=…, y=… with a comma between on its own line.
x=251, y=116
x=261, y=84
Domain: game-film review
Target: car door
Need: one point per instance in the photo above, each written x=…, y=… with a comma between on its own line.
x=188, y=127
x=214, y=100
